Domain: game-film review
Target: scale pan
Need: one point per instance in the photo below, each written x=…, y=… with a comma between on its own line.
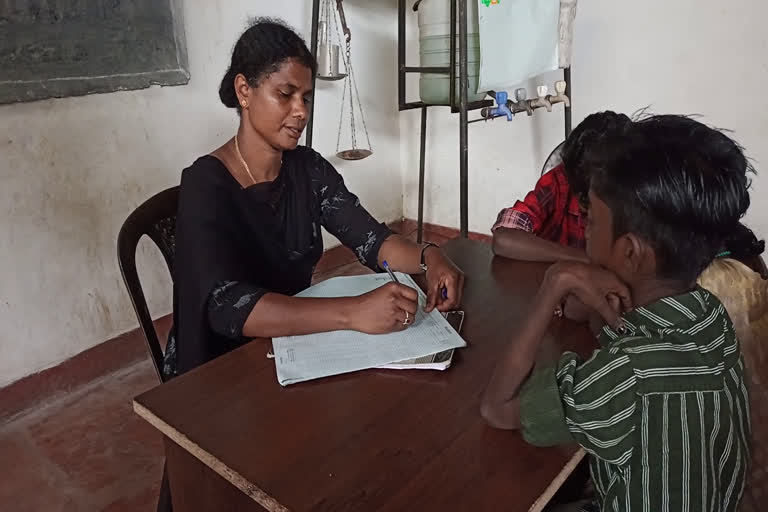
x=331, y=78
x=354, y=154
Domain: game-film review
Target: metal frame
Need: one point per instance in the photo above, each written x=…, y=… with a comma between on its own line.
x=458, y=11
x=567, y=111
x=313, y=49
x=463, y=118
x=462, y=108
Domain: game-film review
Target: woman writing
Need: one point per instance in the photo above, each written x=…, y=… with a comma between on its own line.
x=248, y=227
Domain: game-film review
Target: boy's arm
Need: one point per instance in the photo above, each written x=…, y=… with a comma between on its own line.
x=519, y=244
x=500, y=405
x=591, y=285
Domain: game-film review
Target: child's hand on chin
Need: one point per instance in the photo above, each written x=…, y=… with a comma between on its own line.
x=573, y=309
x=595, y=287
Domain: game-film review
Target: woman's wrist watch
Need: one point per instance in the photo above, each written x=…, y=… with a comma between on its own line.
x=423, y=262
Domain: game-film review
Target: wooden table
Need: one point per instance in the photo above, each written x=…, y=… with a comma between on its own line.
x=374, y=440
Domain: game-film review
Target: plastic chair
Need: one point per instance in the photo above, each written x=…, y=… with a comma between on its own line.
x=155, y=218
x=553, y=160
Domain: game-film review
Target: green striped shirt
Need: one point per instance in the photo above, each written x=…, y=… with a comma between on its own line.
x=661, y=408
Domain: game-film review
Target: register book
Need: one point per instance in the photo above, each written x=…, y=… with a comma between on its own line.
x=302, y=358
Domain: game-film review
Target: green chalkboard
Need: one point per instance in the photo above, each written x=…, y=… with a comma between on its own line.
x=57, y=48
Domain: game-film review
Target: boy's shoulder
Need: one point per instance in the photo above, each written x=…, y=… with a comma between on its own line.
x=681, y=316
x=677, y=344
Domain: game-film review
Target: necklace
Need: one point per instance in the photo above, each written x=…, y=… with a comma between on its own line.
x=242, y=161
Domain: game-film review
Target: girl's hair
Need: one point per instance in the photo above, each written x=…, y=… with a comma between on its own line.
x=742, y=244
x=259, y=52
x=588, y=134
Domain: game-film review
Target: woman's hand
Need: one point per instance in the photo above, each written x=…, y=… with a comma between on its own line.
x=386, y=309
x=596, y=288
x=445, y=282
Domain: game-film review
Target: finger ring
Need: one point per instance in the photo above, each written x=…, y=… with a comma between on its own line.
x=407, y=319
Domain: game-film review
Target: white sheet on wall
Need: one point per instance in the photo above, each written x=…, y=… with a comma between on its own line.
x=518, y=40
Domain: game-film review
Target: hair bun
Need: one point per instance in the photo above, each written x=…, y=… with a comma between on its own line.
x=227, y=92
x=259, y=52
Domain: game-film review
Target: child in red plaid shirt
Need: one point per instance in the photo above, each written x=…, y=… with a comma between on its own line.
x=548, y=225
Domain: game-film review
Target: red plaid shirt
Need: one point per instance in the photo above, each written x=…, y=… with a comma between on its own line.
x=549, y=211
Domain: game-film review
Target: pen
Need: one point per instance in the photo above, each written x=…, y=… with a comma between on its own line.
x=385, y=265
x=389, y=270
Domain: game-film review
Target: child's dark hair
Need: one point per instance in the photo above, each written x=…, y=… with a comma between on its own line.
x=677, y=183
x=742, y=244
x=259, y=52
x=592, y=130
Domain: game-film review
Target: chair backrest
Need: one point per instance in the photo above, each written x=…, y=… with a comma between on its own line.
x=156, y=218
x=553, y=160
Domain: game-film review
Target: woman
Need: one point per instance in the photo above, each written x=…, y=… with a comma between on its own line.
x=248, y=226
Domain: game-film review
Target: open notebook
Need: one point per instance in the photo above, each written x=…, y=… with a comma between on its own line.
x=302, y=358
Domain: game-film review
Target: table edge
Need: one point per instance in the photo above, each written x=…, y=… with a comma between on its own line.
x=233, y=477
x=557, y=482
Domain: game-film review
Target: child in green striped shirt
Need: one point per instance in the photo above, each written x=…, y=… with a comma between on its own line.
x=662, y=405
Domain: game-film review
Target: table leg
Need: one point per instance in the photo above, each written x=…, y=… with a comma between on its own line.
x=195, y=486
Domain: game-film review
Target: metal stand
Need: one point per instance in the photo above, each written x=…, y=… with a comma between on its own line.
x=458, y=11
x=463, y=118
x=567, y=112
x=463, y=107
x=422, y=162
x=313, y=49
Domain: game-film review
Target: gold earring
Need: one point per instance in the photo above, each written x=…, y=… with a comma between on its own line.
x=244, y=103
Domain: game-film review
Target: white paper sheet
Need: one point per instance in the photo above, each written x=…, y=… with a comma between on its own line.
x=518, y=40
x=301, y=358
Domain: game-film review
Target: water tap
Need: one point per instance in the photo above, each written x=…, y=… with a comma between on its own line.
x=560, y=97
x=520, y=104
x=501, y=108
x=542, y=100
